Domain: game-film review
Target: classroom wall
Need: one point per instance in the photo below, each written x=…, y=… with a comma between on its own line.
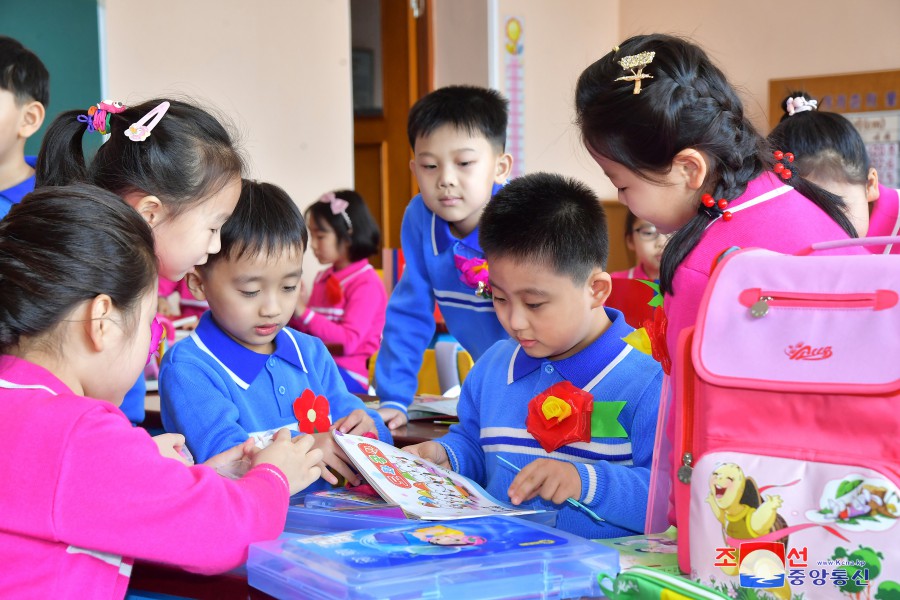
x=776, y=39
x=460, y=43
x=279, y=69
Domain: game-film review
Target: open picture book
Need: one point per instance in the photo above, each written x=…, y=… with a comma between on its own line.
x=422, y=489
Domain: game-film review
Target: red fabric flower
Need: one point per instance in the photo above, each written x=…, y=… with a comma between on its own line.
x=312, y=412
x=334, y=293
x=656, y=331
x=560, y=415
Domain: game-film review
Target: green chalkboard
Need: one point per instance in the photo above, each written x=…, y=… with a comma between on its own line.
x=65, y=35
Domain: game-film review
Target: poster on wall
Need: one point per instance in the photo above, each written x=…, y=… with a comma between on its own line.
x=881, y=133
x=514, y=86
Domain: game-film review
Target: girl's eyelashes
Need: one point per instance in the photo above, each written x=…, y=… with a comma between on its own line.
x=535, y=306
x=248, y=294
x=290, y=288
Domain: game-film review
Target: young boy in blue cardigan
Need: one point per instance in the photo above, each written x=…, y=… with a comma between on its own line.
x=458, y=135
x=546, y=242
x=240, y=371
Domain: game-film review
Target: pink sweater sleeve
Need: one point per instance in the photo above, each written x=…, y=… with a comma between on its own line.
x=364, y=309
x=116, y=494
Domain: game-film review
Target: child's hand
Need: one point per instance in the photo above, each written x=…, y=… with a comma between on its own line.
x=393, y=418
x=552, y=480
x=298, y=461
x=430, y=451
x=332, y=456
x=164, y=308
x=356, y=423
x=244, y=451
x=170, y=445
x=302, y=300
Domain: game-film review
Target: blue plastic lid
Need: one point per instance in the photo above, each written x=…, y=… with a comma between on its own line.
x=489, y=558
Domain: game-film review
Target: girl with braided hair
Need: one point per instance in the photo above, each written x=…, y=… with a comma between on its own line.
x=670, y=132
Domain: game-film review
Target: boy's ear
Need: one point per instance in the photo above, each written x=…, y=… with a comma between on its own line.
x=504, y=167
x=97, y=323
x=33, y=114
x=600, y=283
x=691, y=167
x=149, y=207
x=872, y=192
x=195, y=284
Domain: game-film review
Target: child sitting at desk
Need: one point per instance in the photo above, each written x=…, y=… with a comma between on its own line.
x=564, y=399
x=240, y=371
x=85, y=493
x=348, y=299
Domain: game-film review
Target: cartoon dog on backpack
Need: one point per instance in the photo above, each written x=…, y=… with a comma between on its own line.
x=737, y=504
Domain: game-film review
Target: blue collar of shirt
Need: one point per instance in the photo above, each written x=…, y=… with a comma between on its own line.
x=442, y=238
x=15, y=193
x=582, y=367
x=241, y=362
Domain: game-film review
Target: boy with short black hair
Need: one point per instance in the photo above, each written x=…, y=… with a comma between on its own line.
x=458, y=135
x=240, y=371
x=24, y=95
x=564, y=399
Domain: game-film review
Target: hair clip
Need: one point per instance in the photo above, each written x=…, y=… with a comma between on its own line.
x=799, y=104
x=780, y=167
x=338, y=206
x=97, y=117
x=140, y=131
x=636, y=64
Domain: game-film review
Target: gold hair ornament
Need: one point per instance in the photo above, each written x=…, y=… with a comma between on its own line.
x=636, y=64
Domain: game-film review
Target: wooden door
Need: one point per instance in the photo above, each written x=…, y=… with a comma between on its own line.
x=381, y=148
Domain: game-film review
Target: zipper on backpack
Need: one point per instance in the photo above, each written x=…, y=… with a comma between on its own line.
x=759, y=301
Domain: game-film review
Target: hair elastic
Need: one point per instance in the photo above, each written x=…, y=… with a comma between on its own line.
x=338, y=206
x=799, y=104
x=97, y=117
x=140, y=131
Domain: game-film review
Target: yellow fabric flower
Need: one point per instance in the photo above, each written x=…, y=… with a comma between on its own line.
x=556, y=408
x=639, y=340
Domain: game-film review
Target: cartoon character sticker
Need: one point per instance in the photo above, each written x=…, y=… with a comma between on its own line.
x=858, y=503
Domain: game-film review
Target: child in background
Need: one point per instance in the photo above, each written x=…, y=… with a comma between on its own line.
x=78, y=297
x=831, y=153
x=458, y=136
x=546, y=241
x=669, y=131
x=647, y=243
x=24, y=95
x=183, y=179
x=348, y=300
x=240, y=371
x=177, y=302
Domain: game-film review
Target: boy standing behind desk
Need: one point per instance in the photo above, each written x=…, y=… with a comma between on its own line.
x=458, y=136
x=24, y=94
x=564, y=408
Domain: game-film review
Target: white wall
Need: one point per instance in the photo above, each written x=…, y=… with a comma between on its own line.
x=279, y=69
x=776, y=40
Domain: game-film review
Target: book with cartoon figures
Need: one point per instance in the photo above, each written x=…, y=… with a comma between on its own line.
x=422, y=489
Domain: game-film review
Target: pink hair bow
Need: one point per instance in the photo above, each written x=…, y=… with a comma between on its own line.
x=338, y=206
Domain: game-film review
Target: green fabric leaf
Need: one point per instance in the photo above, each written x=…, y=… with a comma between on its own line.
x=657, y=299
x=605, y=420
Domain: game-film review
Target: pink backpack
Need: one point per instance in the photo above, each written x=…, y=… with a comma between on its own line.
x=788, y=426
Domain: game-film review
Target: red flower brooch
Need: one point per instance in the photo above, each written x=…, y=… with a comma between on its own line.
x=312, y=412
x=560, y=415
x=334, y=293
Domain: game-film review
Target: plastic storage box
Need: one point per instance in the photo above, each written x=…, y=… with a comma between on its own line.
x=488, y=558
x=318, y=521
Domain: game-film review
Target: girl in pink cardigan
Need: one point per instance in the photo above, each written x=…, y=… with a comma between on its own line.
x=85, y=492
x=670, y=132
x=347, y=304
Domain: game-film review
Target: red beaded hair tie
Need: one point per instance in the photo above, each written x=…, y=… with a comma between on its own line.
x=780, y=167
x=721, y=204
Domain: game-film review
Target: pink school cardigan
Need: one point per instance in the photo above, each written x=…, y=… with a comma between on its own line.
x=85, y=493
